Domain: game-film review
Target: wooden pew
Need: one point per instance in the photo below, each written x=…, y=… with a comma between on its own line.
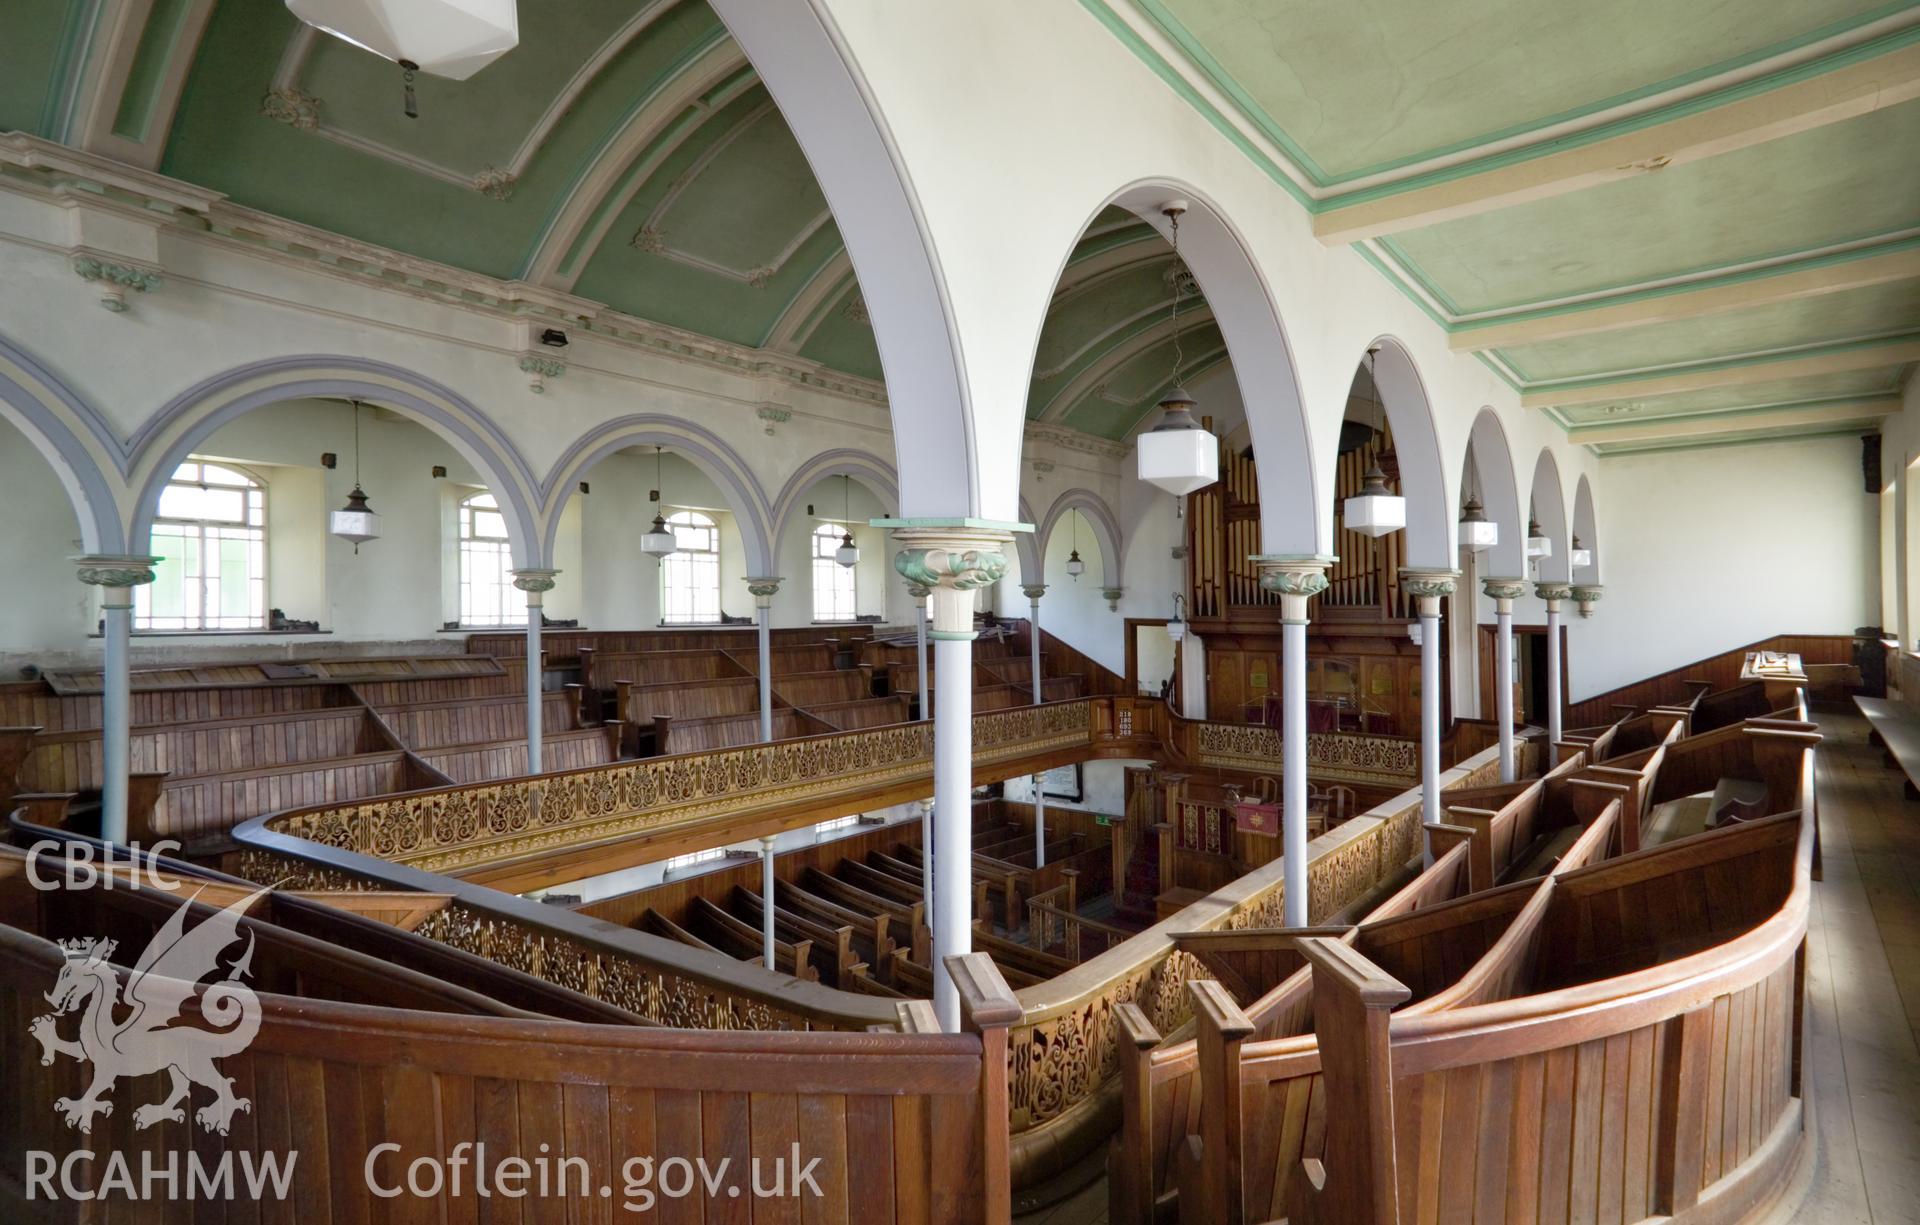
x=838, y=944
x=731, y=935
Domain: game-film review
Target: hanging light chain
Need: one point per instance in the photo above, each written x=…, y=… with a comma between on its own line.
x=1179, y=355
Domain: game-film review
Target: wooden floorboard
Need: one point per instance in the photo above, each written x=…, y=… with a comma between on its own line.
x=1863, y=988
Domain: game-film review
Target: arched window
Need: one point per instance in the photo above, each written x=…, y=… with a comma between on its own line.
x=211, y=531
x=487, y=595
x=690, y=576
x=833, y=587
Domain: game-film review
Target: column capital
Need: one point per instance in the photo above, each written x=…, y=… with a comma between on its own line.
x=919, y=591
x=1034, y=591
x=953, y=558
x=763, y=589
x=116, y=570
x=534, y=582
x=1504, y=591
x=1112, y=596
x=1553, y=591
x=1295, y=577
x=1428, y=586
x=1586, y=595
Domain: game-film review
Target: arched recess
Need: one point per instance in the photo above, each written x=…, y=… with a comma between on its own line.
x=1423, y=478
x=1235, y=289
x=1499, y=494
x=173, y=433
x=937, y=452
x=1550, y=508
x=700, y=447
x=869, y=470
x=1100, y=518
x=1587, y=529
x=75, y=440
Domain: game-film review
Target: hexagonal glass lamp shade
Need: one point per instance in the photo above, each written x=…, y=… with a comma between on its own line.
x=448, y=38
x=1539, y=544
x=1075, y=567
x=1376, y=510
x=1477, y=532
x=848, y=554
x=1581, y=556
x=356, y=521
x=1177, y=455
x=659, y=541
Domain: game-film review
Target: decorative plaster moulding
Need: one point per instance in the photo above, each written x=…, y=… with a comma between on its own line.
x=74, y=179
x=1073, y=440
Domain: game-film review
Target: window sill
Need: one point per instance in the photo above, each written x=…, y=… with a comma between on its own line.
x=226, y=634
x=486, y=629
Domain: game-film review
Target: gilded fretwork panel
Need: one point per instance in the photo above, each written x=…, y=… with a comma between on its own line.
x=461, y=827
x=1336, y=755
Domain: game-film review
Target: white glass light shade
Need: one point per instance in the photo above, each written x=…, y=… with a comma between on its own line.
x=1075, y=566
x=847, y=554
x=658, y=542
x=1177, y=630
x=1580, y=556
x=1477, y=532
x=1177, y=455
x=356, y=521
x=1375, y=510
x=1539, y=544
x=448, y=38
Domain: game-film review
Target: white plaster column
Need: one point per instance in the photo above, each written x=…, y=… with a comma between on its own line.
x=116, y=576
x=1297, y=578
x=1034, y=592
x=536, y=583
x=1553, y=592
x=926, y=854
x=766, y=901
x=955, y=558
x=919, y=594
x=1503, y=592
x=1429, y=587
x=763, y=590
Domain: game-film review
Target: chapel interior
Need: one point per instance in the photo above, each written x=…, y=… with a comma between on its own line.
x=1166, y=612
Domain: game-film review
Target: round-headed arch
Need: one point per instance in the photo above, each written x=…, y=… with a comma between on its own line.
x=1550, y=508
x=1243, y=307
x=1587, y=529
x=1423, y=477
x=702, y=448
x=1499, y=493
x=74, y=439
x=869, y=470
x=1099, y=517
x=190, y=418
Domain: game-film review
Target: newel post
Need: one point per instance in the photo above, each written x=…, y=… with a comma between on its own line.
x=988, y=1008
x=1220, y=1027
x=1353, y=1001
x=1130, y=1176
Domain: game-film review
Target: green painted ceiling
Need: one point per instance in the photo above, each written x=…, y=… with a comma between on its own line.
x=584, y=161
x=1378, y=99
x=1844, y=315
x=1360, y=87
x=1839, y=183
x=1851, y=385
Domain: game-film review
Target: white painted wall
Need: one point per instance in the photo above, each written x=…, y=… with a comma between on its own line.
x=1710, y=548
